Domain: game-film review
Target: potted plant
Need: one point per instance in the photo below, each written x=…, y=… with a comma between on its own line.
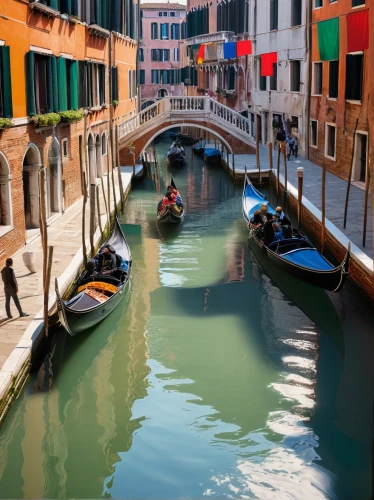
x=71, y=116
x=115, y=102
x=46, y=120
x=5, y=123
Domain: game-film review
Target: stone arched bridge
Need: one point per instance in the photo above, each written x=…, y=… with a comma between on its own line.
x=138, y=131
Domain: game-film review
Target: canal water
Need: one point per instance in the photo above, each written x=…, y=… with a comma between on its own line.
x=213, y=380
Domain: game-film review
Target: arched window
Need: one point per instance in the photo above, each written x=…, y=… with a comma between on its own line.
x=104, y=144
x=5, y=196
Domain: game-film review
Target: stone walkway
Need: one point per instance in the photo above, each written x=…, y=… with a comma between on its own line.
x=336, y=190
x=64, y=234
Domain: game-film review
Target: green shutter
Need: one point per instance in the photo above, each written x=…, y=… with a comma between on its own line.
x=53, y=4
x=74, y=85
x=30, y=83
x=6, y=82
x=50, y=107
x=66, y=7
x=62, y=87
x=54, y=83
x=74, y=7
x=98, y=12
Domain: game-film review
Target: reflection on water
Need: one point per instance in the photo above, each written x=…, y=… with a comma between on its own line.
x=214, y=381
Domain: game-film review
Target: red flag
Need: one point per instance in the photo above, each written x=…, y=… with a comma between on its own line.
x=358, y=31
x=267, y=61
x=200, y=54
x=243, y=48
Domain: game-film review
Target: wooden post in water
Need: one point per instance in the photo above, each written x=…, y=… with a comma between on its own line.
x=270, y=146
x=323, y=229
x=84, y=249
x=366, y=199
x=44, y=238
x=98, y=211
x=258, y=148
x=300, y=180
x=285, y=169
x=46, y=289
x=350, y=177
x=278, y=172
x=122, y=195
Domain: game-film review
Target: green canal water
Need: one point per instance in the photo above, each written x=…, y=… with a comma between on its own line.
x=213, y=380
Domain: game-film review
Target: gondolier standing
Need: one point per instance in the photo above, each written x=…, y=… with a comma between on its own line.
x=11, y=289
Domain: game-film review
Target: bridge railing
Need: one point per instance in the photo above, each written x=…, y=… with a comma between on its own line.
x=169, y=106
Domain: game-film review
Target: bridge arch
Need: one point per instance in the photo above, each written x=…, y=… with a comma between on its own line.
x=168, y=127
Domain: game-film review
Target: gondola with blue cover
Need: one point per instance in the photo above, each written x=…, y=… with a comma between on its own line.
x=212, y=156
x=295, y=255
x=94, y=297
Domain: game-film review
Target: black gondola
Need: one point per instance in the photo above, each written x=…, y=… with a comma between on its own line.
x=199, y=148
x=176, y=155
x=212, y=156
x=187, y=139
x=295, y=255
x=167, y=214
x=95, y=296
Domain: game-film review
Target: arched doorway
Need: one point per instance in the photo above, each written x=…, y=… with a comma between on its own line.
x=99, y=164
x=162, y=93
x=30, y=173
x=6, y=213
x=53, y=180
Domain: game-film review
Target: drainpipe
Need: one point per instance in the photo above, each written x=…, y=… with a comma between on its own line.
x=308, y=41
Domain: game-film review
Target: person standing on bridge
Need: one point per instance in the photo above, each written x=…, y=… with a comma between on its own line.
x=11, y=289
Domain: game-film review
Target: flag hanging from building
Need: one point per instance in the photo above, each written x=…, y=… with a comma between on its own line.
x=267, y=61
x=244, y=48
x=358, y=31
x=200, y=54
x=229, y=50
x=328, y=39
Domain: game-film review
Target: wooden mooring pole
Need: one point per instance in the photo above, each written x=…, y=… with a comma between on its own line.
x=278, y=172
x=366, y=200
x=258, y=148
x=300, y=180
x=350, y=177
x=84, y=248
x=270, y=146
x=323, y=229
x=285, y=170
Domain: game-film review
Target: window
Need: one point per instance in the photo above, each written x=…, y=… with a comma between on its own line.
x=261, y=79
x=183, y=30
x=333, y=79
x=317, y=78
x=357, y=3
x=172, y=14
x=114, y=83
x=318, y=3
x=296, y=12
x=132, y=83
x=141, y=55
x=274, y=78
x=174, y=32
x=104, y=144
x=5, y=196
x=6, y=110
x=295, y=69
x=164, y=29
x=155, y=78
x=330, y=141
x=273, y=15
x=154, y=31
x=142, y=77
x=165, y=55
x=160, y=14
x=353, y=76
x=165, y=14
x=176, y=54
x=164, y=76
x=175, y=77
x=91, y=84
x=65, y=148
x=155, y=54
x=314, y=133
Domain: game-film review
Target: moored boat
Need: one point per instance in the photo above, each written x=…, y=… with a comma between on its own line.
x=176, y=154
x=212, y=155
x=172, y=213
x=96, y=295
x=296, y=255
x=187, y=139
x=199, y=148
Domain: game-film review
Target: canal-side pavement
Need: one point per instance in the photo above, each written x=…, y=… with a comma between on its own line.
x=64, y=234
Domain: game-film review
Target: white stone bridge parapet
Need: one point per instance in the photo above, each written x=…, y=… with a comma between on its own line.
x=199, y=111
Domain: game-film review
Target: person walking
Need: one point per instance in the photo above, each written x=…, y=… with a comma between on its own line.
x=11, y=289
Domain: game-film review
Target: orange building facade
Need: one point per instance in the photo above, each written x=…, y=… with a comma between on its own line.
x=340, y=107
x=67, y=79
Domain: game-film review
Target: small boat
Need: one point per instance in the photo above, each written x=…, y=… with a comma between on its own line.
x=168, y=214
x=176, y=154
x=199, y=148
x=94, y=297
x=187, y=139
x=295, y=255
x=212, y=156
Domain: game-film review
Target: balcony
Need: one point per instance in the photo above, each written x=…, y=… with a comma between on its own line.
x=44, y=9
x=221, y=36
x=97, y=30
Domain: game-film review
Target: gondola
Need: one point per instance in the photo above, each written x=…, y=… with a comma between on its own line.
x=94, y=297
x=187, y=139
x=176, y=155
x=199, y=148
x=212, y=156
x=166, y=215
x=295, y=255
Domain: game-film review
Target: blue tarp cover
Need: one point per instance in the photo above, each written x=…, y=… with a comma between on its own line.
x=212, y=152
x=310, y=258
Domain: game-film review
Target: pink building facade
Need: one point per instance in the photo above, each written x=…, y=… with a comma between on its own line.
x=163, y=28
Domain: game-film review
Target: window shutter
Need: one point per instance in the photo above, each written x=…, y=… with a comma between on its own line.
x=114, y=83
x=101, y=70
x=62, y=86
x=74, y=7
x=98, y=12
x=50, y=107
x=65, y=6
x=30, y=86
x=6, y=82
x=82, y=84
x=53, y=4
x=74, y=85
x=53, y=60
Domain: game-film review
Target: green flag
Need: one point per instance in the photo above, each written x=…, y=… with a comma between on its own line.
x=328, y=39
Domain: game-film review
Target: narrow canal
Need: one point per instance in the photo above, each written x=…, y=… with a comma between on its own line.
x=214, y=381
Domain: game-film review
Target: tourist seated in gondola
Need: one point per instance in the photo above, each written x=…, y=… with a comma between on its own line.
x=106, y=260
x=282, y=218
x=272, y=230
x=256, y=221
